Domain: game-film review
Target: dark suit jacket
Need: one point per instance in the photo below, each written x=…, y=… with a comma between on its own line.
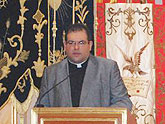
x=102, y=86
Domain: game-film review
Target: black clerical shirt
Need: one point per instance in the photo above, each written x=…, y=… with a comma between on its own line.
x=76, y=82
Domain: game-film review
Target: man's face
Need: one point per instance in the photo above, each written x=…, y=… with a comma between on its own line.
x=77, y=46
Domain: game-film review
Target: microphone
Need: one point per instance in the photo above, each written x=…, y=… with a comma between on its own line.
x=39, y=101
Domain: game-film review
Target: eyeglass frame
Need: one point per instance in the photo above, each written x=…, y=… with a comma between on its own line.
x=79, y=43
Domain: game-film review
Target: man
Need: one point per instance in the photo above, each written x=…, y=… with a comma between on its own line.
x=85, y=80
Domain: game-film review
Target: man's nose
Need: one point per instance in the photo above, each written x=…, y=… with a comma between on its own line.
x=76, y=45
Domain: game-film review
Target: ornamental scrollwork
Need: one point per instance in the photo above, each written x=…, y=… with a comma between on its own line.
x=149, y=117
x=146, y=21
x=39, y=64
x=140, y=110
x=21, y=55
x=114, y=22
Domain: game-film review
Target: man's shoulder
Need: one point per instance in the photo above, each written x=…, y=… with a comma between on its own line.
x=57, y=65
x=102, y=60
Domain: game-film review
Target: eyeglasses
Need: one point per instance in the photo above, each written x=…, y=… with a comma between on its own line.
x=80, y=43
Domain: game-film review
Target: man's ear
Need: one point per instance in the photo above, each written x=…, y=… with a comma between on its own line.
x=91, y=44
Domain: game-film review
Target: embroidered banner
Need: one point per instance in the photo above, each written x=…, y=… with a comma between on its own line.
x=129, y=41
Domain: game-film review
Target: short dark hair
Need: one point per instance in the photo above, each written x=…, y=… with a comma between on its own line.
x=78, y=27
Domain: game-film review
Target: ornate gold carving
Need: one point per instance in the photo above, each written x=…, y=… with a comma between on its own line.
x=134, y=62
x=2, y=3
x=21, y=55
x=129, y=31
x=2, y=89
x=39, y=67
x=82, y=10
x=39, y=64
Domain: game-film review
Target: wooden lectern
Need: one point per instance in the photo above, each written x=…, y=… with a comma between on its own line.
x=81, y=115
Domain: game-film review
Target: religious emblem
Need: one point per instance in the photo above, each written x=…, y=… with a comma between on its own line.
x=134, y=62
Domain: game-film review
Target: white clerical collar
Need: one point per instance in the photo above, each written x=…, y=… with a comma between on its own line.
x=79, y=65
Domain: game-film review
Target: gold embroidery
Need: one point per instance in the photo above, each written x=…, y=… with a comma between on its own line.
x=39, y=64
x=38, y=16
x=39, y=67
x=21, y=55
x=21, y=83
x=2, y=3
x=55, y=5
x=2, y=89
x=82, y=10
x=3, y=62
x=57, y=56
x=60, y=8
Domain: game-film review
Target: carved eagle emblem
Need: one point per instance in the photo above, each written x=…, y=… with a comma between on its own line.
x=134, y=62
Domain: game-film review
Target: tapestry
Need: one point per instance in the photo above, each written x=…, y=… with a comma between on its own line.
x=129, y=41
x=31, y=38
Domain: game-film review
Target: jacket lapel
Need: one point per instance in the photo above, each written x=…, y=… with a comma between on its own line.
x=89, y=77
x=65, y=86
